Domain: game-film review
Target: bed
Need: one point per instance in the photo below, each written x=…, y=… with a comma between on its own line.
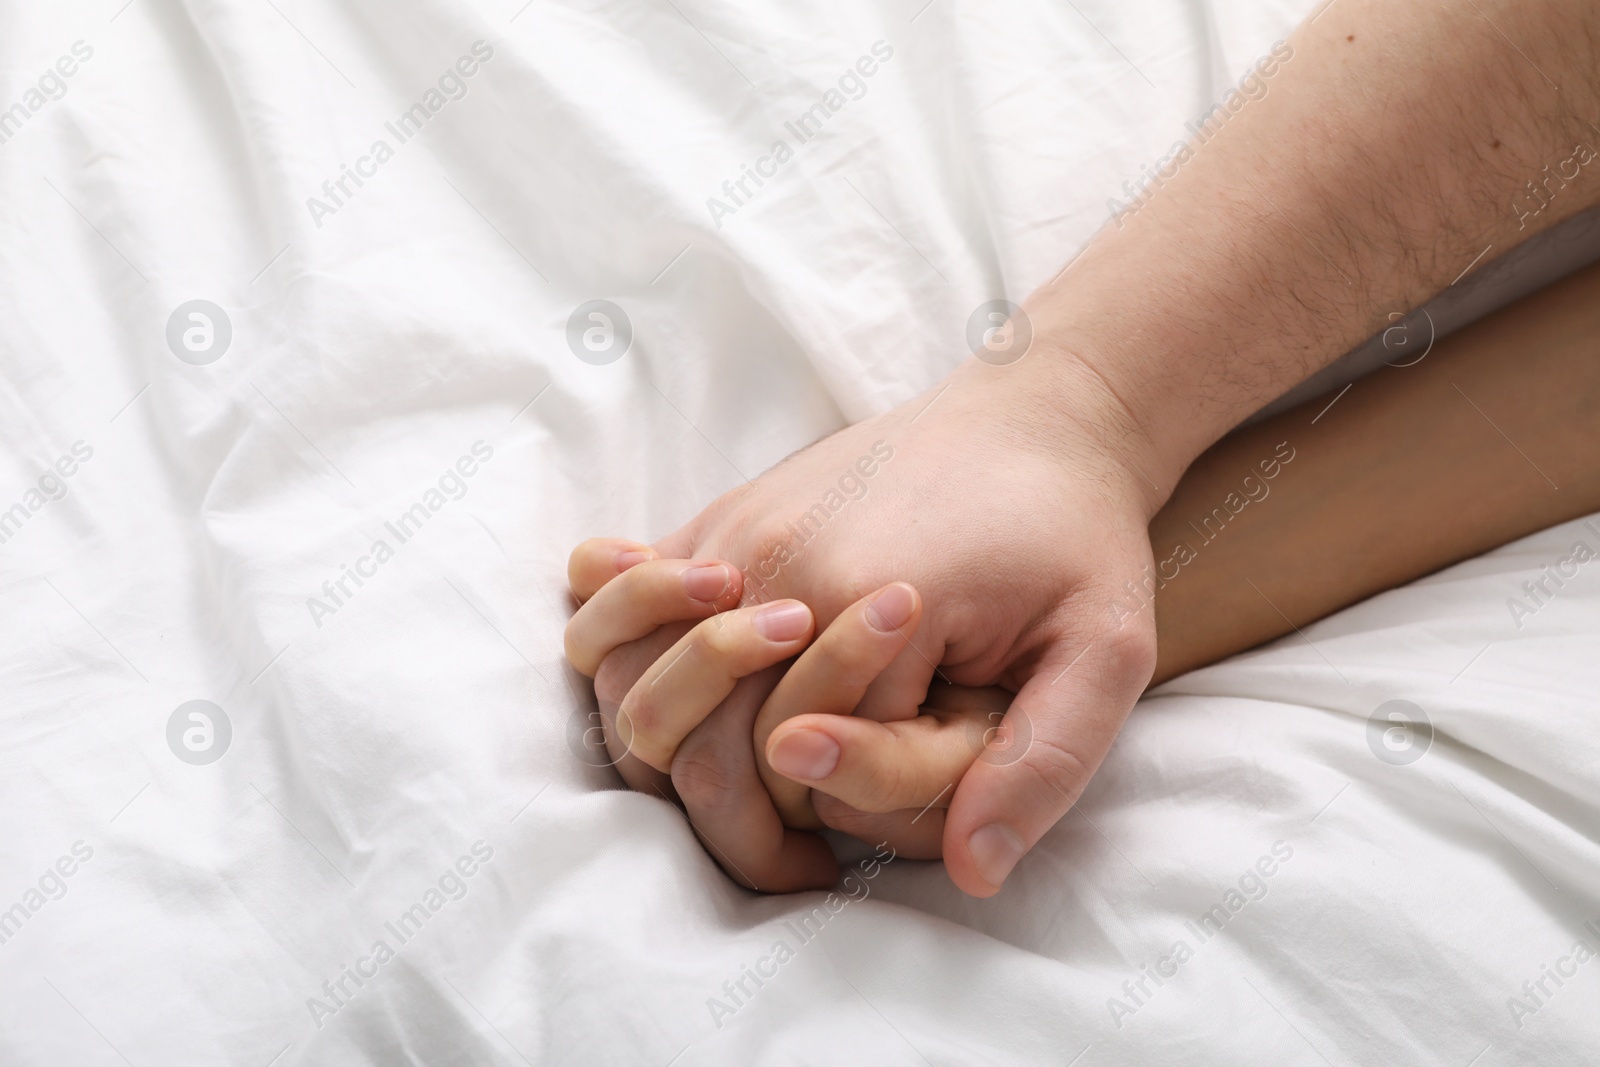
x=305, y=401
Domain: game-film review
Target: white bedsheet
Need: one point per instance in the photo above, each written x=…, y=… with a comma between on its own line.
x=409, y=746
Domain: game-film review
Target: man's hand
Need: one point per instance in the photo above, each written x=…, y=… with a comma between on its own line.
x=1016, y=498
x=1017, y=509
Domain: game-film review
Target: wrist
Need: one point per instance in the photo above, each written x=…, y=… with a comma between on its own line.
x=1059, y=403
x=1174, y=375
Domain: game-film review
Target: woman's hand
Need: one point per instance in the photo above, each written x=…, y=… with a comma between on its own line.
x=679, y=707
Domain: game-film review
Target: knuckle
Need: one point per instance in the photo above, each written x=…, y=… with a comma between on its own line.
x=704, y=780
x=853, y=663
x=882, y=786
x=1057, y=767
x=657, y=586
x=611, y=682
x=1129, y=655
x=579, y=562
x=643, y=712
x=966, y=615
x=572, y=645
x=837, y=815
x=717, y=639
x=773, y=549
x=589, y=550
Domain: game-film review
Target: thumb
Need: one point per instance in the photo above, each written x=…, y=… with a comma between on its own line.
x=1047, y=748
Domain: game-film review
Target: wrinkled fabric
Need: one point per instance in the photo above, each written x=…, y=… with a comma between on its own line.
x=274, y=794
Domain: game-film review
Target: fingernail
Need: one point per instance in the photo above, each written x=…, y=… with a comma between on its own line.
x=706, y=582
x=891, y=608
x=783, y=620
x=630, y=559
x=808, y=754
x=995, y=850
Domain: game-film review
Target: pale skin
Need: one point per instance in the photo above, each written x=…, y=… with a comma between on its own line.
x=1385, y=159
x=1356, y=510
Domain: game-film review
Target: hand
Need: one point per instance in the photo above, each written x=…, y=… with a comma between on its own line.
x=1011, y=499
x=693, y=713
x=884, y=768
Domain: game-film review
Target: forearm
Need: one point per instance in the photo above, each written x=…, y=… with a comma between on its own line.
x=1393, y=149
x=1414, y=469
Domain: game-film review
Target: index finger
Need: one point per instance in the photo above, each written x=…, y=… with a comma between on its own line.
x=649, y=595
